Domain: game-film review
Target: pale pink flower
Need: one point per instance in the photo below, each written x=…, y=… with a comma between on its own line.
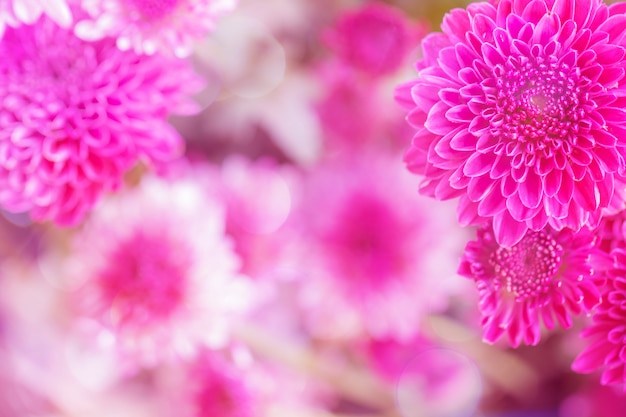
x=77, y=115
x=14, y=13
x=161, y=276
x=258, y=198
x=150, y=26
x=379, y=257
x=547, y=275
x=607, y=333
x=519, y=111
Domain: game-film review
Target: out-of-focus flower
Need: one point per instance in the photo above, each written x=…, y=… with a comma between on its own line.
x=77, y=115
x=370, y=46
x=375, y=39
x=548, y=274
x=161, y=274
x=372, y=265
x=150, y=26
x=258, y=198
x=13, y=13
x=519, y=112
x=607, y=350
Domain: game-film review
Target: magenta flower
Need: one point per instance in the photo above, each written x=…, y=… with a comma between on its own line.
x=161, y=274
x=375, y=39
x=372, y=266
x=519, y=111
x=221, y=389
x=13, y=13
x=77, y=115
x=150, y=26
x=607, y=333
x=548, y=274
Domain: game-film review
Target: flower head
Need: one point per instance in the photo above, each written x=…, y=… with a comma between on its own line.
x=372, y=264
x=548, y=274
x=519, y=111
x=607, y=332
x=374, y=39
x=13, y=13
x=149, y=26
x=161, y=274
x=77, y=115
x=220, y=389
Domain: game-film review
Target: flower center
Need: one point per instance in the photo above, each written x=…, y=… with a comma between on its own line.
x=537, y=105
x=221, y=395
x=154, y=9
x=367, y=241
x=145, y=279
x=528, y=268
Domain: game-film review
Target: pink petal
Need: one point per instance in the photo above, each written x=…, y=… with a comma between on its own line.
x=467, y=213
x=437, y=122
x=478, y=164
x=507, y=230
x=531, y=190
x=593, y=357
x=479, y=186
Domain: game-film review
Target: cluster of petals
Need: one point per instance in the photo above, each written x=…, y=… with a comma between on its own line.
x=612, y=231
x=519, y=111
x=150, y=26
x=77, y=115
x=372, y=266
x=161, y=275
x=607, y=332
x=14, y=13
x=547, y=276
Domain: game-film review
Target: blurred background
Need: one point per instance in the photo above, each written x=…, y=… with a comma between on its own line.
x=293, y=187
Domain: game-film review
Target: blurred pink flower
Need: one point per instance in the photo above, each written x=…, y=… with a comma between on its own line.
x=150, y=26
x=13, y=13
x=221, y=389
x=375, y=39
x=548, y=274
x=607, y=350
x=77, y=115
x=161, y=274
x=379, y=257
x=229, y=383
x=519, y=111
x=258, y=198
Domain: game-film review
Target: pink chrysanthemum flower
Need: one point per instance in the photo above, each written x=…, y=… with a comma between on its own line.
x=77, y=115
x=608, y=330
x=548, y=274
x=149, y=26
x=519, y=110
x=371, y=264
x=13, y=13
x=161, y=274
x=374, y=39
